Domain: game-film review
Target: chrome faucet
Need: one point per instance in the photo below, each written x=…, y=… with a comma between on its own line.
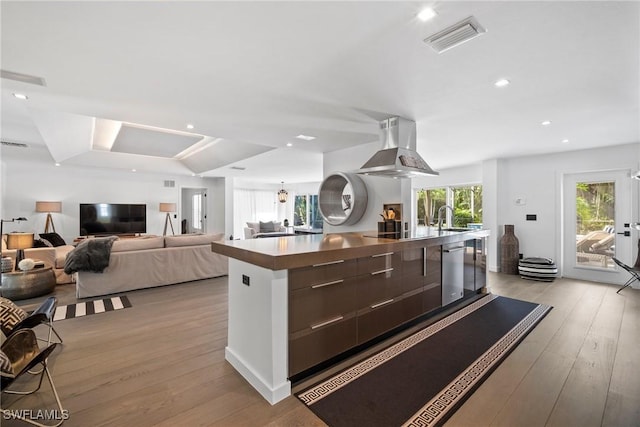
x=453, y=216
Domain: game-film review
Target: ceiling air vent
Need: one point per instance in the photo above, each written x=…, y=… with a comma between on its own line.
x=14, y=144
x=169, y=183
x=24, y=78
x=455, y=35
x=238, y=168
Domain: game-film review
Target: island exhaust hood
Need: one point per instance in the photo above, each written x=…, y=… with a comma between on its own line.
x=398, y=157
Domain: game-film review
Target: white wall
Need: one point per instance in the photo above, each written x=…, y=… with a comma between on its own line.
x=34, y=177
x=538, y=180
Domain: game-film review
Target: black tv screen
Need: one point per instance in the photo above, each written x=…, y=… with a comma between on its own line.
x=112, y=218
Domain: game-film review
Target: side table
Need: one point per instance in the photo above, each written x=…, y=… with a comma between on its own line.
x=28, y=284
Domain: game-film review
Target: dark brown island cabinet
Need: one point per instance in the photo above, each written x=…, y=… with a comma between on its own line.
x=296, y=303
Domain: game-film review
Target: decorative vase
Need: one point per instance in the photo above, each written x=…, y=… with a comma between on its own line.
x=509, y=251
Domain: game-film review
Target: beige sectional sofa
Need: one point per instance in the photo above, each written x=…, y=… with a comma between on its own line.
x=147, y=262
x=51, y=256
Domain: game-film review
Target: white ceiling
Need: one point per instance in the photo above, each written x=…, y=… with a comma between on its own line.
x=250, y=76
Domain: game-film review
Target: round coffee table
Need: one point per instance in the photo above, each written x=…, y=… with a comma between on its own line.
x=28, y=284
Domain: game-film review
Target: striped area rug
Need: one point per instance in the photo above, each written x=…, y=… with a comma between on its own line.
x=87, y=308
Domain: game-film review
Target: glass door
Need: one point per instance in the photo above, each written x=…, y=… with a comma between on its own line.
x=597, y=215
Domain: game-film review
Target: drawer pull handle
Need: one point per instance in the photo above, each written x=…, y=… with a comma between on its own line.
x=380, y=304
x=386, y=270
x=328, y=322
x=379, y=255
x=328, y=263
x=322, y=285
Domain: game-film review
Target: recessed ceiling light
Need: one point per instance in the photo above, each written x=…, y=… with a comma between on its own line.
x=20, y=96
x=57, y=164
x=426, y=14
x=289, y=144
x=502, y=83
x=565, y=141
x=306, y=137
x=133, y=170
x=546, y=123
x=190, y=126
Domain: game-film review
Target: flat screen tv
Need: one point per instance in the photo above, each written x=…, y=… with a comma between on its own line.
x=112, y=218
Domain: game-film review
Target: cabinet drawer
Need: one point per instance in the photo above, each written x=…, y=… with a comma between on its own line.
x=432, y=297
x=379, y=262
x=321, y=273
x=374, y=288
x=322, y=344
x=314, y=304
x=376, y=321
x=413, y=269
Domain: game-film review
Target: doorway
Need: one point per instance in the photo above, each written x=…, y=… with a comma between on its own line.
x=194, y=211
x=596, y=225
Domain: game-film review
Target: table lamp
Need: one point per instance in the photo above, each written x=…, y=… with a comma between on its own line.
x=49, y=207
x=168, y=208
x=20, y=242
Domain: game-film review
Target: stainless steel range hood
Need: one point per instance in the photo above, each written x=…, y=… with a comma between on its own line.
x=398, y=157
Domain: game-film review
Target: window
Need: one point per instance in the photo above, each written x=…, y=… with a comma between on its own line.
x=466, y=202
x=196, y=210
x=306, y=212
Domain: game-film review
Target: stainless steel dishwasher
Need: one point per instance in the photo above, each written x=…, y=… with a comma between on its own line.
x=452, y=272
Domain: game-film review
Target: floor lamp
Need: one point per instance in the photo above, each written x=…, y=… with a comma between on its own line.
x=49, y=208
x=168, y=208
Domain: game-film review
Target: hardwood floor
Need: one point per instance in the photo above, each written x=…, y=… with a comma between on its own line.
x=161, y=363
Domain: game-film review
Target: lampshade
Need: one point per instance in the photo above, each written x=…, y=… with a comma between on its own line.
x=168, y=207
x=19, y=240
x=55, y=207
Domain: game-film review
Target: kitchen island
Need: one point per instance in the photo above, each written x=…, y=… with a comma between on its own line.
x=296, y=302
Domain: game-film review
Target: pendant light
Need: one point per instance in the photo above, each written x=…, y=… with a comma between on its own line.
x=282, y=194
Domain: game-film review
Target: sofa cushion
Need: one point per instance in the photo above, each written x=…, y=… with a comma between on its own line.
x=137, y=244
x=191, y=239
x=53, y=238
x=61, y=255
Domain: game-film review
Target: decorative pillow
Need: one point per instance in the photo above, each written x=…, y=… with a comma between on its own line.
x=5, y=366
x=40, y=244
x=10, y=315
x=53, y=238
x=255, y=226
x=267, y=227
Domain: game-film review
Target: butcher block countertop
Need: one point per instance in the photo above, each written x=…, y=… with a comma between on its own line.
x=281, y=253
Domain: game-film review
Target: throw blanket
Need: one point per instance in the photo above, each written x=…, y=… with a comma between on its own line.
x=90, y=255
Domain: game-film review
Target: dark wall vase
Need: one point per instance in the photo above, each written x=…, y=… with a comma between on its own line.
x=509, y=251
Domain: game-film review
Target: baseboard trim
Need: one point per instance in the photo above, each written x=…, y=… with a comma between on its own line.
x=273, y=394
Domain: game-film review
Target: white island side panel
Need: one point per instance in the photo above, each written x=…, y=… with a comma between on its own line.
x=257, y=345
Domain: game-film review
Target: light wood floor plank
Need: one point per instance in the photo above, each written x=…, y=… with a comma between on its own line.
x=161, y=363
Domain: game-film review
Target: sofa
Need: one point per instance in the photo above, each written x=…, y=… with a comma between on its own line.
x=53, y=256
x=255, y=230
x=149, y=261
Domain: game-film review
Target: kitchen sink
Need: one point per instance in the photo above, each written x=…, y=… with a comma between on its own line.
x=457, y=229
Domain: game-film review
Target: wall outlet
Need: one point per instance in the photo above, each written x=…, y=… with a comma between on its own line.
x=245, y=280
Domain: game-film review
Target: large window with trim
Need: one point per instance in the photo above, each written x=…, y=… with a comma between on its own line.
x=306, y=212
x=466, y=202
